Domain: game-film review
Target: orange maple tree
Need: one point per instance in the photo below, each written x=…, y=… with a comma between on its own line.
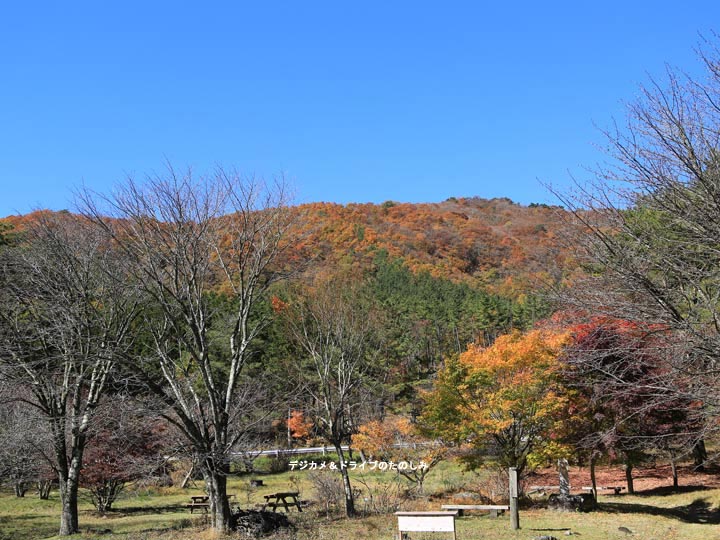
x=505, y=400
x=396, y=439
x=300, y=427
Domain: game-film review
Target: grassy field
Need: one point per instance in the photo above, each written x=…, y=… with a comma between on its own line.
x=158, y=514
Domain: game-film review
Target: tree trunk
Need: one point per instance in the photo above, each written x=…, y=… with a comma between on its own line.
x=20, y=488
x=673, y=465
x=44, y=487
x=700, y=455
x=69, y=478
x=106, y=494
x=347, y=488
x=593, y=479
x=216, y=485
x=69, y=506
x=629, y=478
x=421, y=484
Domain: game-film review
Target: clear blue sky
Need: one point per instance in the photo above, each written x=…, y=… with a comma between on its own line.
x=410, y=101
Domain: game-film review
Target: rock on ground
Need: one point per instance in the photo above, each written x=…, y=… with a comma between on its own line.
x=255, y=523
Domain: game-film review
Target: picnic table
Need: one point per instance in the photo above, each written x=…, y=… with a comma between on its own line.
x=276, y=499
x=202, y=501
x=198, y=501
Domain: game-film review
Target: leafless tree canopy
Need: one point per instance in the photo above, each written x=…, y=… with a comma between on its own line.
x=649, y=230
x=337, y=329
x=26, y=455
x=65, y=321
x=203, y=251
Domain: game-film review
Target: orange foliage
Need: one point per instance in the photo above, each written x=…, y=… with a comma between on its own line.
x=517, y=373
x=299, y=426
x=278, y=306
x=481, y=242
x=396, y=439
x=509, y=392
x=494, y=243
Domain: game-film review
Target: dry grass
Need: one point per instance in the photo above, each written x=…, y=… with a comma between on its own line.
x=691, y=514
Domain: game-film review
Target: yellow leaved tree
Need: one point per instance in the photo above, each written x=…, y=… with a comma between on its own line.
x=505, y=401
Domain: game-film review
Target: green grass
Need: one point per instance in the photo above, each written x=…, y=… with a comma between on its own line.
x=157, y=514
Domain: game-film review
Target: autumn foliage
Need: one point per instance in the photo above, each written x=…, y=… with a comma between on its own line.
x=626, y=399
x=502, y=246
x=497, y=244
x=397, y=439
x=505, y=400
x=300, y=427
x=127, y=450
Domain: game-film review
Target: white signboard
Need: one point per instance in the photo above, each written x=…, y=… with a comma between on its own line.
x=426, y=522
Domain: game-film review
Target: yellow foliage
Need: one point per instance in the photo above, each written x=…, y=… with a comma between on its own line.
x=509, y=392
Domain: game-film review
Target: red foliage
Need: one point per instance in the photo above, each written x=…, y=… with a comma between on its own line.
x=124, y=453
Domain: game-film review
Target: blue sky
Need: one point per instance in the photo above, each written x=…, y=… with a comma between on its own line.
x=369, y=101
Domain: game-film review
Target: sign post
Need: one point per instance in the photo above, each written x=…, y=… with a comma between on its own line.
x=564, y=478
x=513, y=491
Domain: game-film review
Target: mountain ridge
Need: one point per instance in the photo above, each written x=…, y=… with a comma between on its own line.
x=496, y=244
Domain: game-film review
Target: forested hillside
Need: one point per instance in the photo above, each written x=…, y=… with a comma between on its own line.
x=495, y=244
x=443, y=275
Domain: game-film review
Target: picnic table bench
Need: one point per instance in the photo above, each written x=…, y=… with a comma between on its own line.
x=198, y=501
x=201, y=501
x=494, y=509
x=616, y=489
x=276, y=499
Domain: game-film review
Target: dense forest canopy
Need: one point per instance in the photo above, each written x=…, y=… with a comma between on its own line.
x=496, y=244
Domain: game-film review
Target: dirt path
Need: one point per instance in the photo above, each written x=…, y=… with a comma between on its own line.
x=645, y=478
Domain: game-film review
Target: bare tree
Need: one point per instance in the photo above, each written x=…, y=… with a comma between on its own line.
x=25, y=448
x=649, y=232
x=336, y=328
x=203, y=250
x=65, y=321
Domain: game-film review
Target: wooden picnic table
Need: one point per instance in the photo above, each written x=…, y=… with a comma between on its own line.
x=198, y=501
x=202, y=501
x=276, y=499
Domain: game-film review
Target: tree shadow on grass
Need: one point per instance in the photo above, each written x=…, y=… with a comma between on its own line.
x=699, y=511
x=131, y=510
x=663, y=491
x=27, y=527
